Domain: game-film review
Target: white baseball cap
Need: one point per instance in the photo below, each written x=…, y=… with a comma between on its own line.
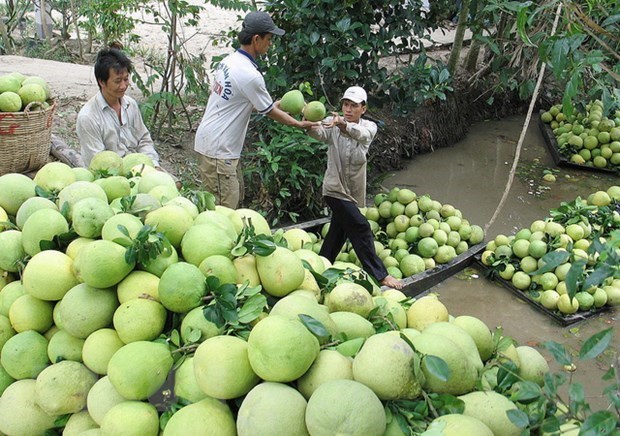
x=356, y=94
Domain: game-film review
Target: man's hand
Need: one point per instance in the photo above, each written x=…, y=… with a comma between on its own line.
x=336, y=121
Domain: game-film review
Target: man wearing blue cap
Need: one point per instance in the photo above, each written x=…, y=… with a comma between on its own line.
x=238, y=88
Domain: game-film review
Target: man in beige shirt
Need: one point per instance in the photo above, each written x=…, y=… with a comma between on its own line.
x=344, y=185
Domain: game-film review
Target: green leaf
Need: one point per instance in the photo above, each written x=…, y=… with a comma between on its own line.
x=551, y=261
x=522, y=19
x=526, y=391
x=561, y=355
x=596, y=344
x=437, y=367
x=194, y=336
x=175, y=338
x=252, y=308
x=574, y=275
x=316, y=327
x=518, y=418
x=599, y=423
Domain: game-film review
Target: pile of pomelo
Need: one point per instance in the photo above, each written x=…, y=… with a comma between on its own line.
x=589, y=138
x=107, y=327
x=18, y=91
x=568, y=234
x=293, y=103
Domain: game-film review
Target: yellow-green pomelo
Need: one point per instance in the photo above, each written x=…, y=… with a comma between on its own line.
x=314, y=111
x=185, y=385
x=85, y=309
x=329, y=365
x=115, y=186
x=207, y=417
x=219, y=266
x=12, y=254
x=533, y=365
x=281, y=349
x=101, y=397
x=490, y=408
x=78, y=423
x=195, y=320
x=63, y=346
x=77, y=191
x=460, y=337
x=153, y=179
x=164, y=193
x=252, y=217
x=106, y=163
x=291, y=306
x=11, y=292
x=455, y=424
x=42, y=225
x=49, y=275
x=98, y=349
x=138, y=284
x=312, y=258
x=5, y=380
x=111, y=232
x=89, y=215
x=352, y=325
x=613, y=295
x=185, y=203
x=19, y=412
x=130, y=160
x=390, y=377
x=27, y=80
x=391, y=310
x=9, y=83
x=83, y=174
x=6, y=331
x=101, y=264
x=345, y=407
x=296, y=238
x=131, y=418
x=292, y=102
x=480, y=333
x=463, y=375
x=173, y=221
x=161, y=262
x=30, y=206
x=274, y=409
x=30, y=313
x=222, y=368
x=62, y=387
x=281, y=272
x=54, y=176
x=15, y=189
x=24, y=355
x=204, y=240
x=75, y=245
x=140, y=319
x=568, y=306
x=350, y=297
x=140, y=206
x=181, y=287
x=137, y=370
x=425, y=311
x=218, y=220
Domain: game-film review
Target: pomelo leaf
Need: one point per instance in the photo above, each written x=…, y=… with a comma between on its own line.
x=595, y=344
x=437, y=367
x=525, y=391
x=518, y=418
x=601, y=422
x=252, y=308
x=316, y=327
x=561, y=355
x=551, y=261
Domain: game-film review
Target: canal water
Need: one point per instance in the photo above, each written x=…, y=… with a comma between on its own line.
x=472, y=176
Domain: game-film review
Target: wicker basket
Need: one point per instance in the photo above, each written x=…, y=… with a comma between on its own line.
x=25, y=139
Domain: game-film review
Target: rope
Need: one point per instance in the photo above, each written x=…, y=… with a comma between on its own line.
x=523, y=131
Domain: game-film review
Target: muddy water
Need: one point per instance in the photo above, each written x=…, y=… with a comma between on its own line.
x=472, y=176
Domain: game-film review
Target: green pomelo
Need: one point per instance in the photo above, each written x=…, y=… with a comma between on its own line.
x=173, y=221
x=106, y=163
x=281, y=349
x=63, y=346
x=85, y=309
x=345, y=407
x=314, y=111
x=27, y=80
x=54, y=176
x=10, y=102
x=101, y=264
x=219, y=266
x=115, y=187
x=131, y=418
x=208, y=417
x=49, y=275
x=153, y=179
x=292, y=102
x=62, y=387
x=31, y=93
x=312, y=258
x=186, y=204
x=350, y=297
x=390, y=377
x=297, y=238
x=6, y=331
x=140, y=319
x=463, y=375
x=78, y=423
x=74, y=246
x=164, y=193
x=204, y=240
x=30, y=313
x=455, y=424
x=19, y=76
x=42, y=225
x=490, y=408
x=219, y=220
x=195, y=320
x=477, y=235
x=89, y=215
x=480, y=333
x=445, y=254
x=140, y=206
x=254, y=218
x=30, y=206
x=77, y=191
x=12, y=254
x=281, y=272
x=9, y=83
x=222, y=368
x=83, y=174
x=163, y=260
x=392, y=310
x=11, y=292
x=5, y=380
x=24, y=355
x=411, y=264
x=15, y=189
x=138, y=284
x=19, y=412
x=98, y=349
x=533, y=365
x=137, y=370
x=425, y=311
x=427, y=247
x=292, y=306
x=132, y=159
x=185, y=385
x=273, y=409
x=613, y=295
x=329, y=365
x=181, y=287
x=460, y=337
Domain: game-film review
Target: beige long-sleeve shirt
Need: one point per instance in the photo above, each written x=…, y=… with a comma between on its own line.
x=345, y=177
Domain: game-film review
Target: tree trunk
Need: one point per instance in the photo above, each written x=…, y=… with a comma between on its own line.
x=458, y=37
x=471, y=63
x=77, y=28
x=6, y=42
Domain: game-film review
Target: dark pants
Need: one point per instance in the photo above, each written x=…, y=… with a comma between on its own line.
x=348, y=222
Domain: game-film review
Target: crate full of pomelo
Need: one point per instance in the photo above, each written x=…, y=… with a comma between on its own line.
x=128, y=307
x=566, y=264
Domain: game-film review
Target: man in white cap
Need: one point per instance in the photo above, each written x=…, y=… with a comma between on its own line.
x=344, y=185
x=238, y=88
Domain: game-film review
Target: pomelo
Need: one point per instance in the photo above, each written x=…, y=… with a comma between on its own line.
x=161, y=262
x=63, y=346
x=219, y=220
x=78, y=423
x=31, y=93
x=9, y=83
x=533, y=365
x=219, y=266
x=130, y=160
x=312, y=258
x=10, y=101
x=62, y=387
x=455, y=424
x=101, y=398
x=208, y=417
x=203, y=240
x=329, y=365
x=27, y=80
x=232, y=215
x=350, y=297
x=30, y=206
x=6, y=331
x=153, y=179
x=111, y=232
x=98, y=349
x=490, y=408
x=138, y=284
x=30, y=313
x=24, y=355
x=391, y=310
x=89, y=215
x=19, y=412
x=12, y=255
x=296, y=238
x=292, y=102
x=291, y=306
x=101, y=264
x=479, y=332
x=77, y=191
x=106, y=163
x=185, y=385
x=314, y=111
x=252, y=217
x=425, y=311
x=139, y=319
x=352, y=325
x=114, y=187
x=85, y=309
x=131, y=418
x=164, y=193
x=460, y=337
x=185, y=203
x=42, y=225
x=181, y=287
x=83, y=174
x=54, y=176
x=173, y=221
x=11, y=292
x=74, y=246
x=281, y=272
x=195, y=320
x=15, y=189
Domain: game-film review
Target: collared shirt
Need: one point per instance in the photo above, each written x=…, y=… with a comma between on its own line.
x=238, y=88
x=345, y=177
x=99, y=128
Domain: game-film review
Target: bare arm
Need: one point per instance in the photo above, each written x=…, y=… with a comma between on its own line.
x=280, y=116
